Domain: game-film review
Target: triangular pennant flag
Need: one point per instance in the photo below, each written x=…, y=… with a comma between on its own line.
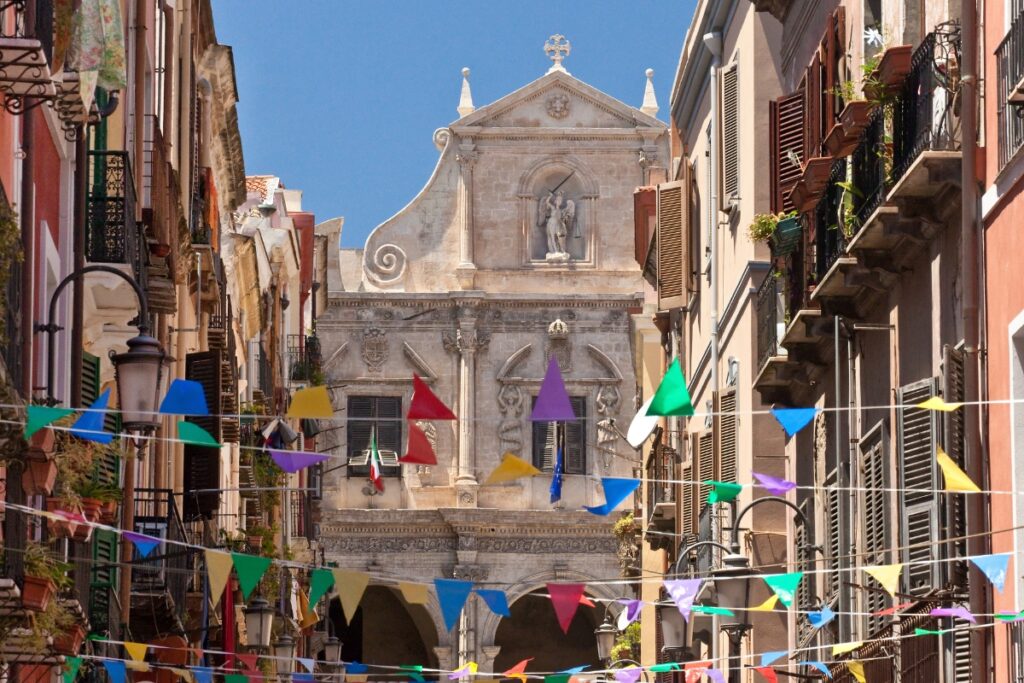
x=768, y=673
x=769, y=658
x=616, y=490
x=672, y=396
x=694, y=671
x=320, y=581
x=586, y=602
x=767, y=606
x=956, y=479
x=73, y=664
x=303, y=678
x=495, y=600
x=137, y=651
x=308, y=663
x=236, y=678
x=683, y=592
x=642, y=425
x=993, y=567
x=784, y=586
x=888, y=575
x=468, y=669
x=293, y=461
x=312, y=402
x=628, y=675
x=40, y=416
x=183, y=674
x=843, y=648
x=663, y=668
x=356, y=668
x=354, y=678
x=821, y=617
x=419, y=451
x=552, y=403
x=518, y=671
x=929, y=631
x=630, y=614
x=413, y=672
x=1010, y=616
x=723, y=491
x=452, y=595
x=819, y=666
x=574, y=670
x=184, y=397
x=250, y=569
x=510, y=469
x=195, y=435
x=89, y=425
x=555, y=490
x=857, y=670
x=350, y=586
x=774, y=485
x=116, y=671
x=141, y=667
x=557, y=678
x=715, y=675
x=414, y=593
x=794, y=419
x=936, y=403
x=144, y=544
x=712, y=611
x=565, y=598
x=425, y=405
x=218, y=569
x=203, y=674
x=958, y=612
x=889, y=611
x=248, y=660
x=306, y=616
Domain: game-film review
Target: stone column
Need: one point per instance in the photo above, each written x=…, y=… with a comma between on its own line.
x=466, y=156
x=466, y=341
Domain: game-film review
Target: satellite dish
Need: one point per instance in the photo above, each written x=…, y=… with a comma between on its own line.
x=642, y=425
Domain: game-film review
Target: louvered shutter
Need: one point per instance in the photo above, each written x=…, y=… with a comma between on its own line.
x=544, y=446
x=202, y=463
x=787, y=133
x=959, y=658
x=874, y=473
x=805, y=561
x=705, y=465
x=915, y=447
x=725, y=411
x=834, y=52
x=673, y=230
x=687, y=517
x=576, y=438
x=91, y=386
x=730, y=138
x=661, y=656
x=955, y=512
x=812, y=94
x=102, y=581
x=835, y=552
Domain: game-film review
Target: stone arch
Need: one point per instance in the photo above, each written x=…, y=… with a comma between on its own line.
x=578, y=184
x=568, y=163
x=387, y=631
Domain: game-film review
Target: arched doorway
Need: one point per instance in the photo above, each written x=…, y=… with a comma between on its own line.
x=533, y=631
x=386, y=631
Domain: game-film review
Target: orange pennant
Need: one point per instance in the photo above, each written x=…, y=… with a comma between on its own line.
x=518, y=671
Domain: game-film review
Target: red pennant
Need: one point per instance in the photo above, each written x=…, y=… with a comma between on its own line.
x=425, y=405
x=565, y=597
x=419, y=452
x=767, y=672
x=695, y=671
x=889, y=611
x=248, y=661
x=585, y=601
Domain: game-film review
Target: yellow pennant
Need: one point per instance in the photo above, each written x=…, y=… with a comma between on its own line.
x=137, y=651
x=138, y=666
x=356, y=678
x=510, y=469
x=936, y=403
x=218, y=569
x=184, y=674
x=414, y=593
x=888, y=575
x=956, y=478
x=309, y=616
x=857, y=670
x=312, y=402
x=843, y=648
x=768, y=605
x=350, y=586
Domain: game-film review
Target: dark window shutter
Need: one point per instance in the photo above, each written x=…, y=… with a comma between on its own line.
x=812, y=92
x=874, y=472
x=725, y=413
x=576, y=438
x=705, y=465
x=103, y=581
x=786, y=118
x=953, y=444
x=687, y=492
x=916, y=466
x=833, y=48
x=673, y=230
x=91, y=385
x=382, y=414
x=805, y=558
x=543, y=446
x=730, y=137
x=202, y=463
x=834, y=547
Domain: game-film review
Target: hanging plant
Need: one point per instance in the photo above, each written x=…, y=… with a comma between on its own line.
x=11, y=253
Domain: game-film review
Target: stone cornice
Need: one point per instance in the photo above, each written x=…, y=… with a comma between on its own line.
x=454, y=299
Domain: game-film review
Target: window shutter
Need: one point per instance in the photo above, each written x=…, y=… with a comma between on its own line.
x=91, y=385
x=786, y=121
x=834, y=548
x=730, y=138
x=576, y=438
x=805, y=559
x=953, y=444
x=544, y=446
x=705, y=466
x=915, y=445
x=725, y=413
x=382, y=414
x=874, y=470
x=673, y=230
x=686, y=514
x=812, y=93
x=834, y=51
x=202, y=463
x=102, y=581
x=959, y=661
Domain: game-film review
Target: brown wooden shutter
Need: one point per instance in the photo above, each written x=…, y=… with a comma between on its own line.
x=726, y=433
x=673, y=231
x=729, y=133
x=874, y=473
x=202, y=464
x=786, y=120
x=833, y=50
x=705, y=465
x=953, y=443
x=812, y=93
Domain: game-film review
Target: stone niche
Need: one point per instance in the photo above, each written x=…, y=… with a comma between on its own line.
x=564, y=188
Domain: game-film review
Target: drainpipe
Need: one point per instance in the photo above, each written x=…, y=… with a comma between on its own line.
x=975, y=457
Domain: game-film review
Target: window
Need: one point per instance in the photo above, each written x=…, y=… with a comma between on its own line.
x=575, y=455
x=369, y=415
x=1016, y=652
x=730, y=138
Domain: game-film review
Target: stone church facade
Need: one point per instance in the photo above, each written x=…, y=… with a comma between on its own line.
x=519, y=248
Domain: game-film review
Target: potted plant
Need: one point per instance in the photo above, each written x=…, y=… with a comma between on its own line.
x=96, y=497
x=44, y=575
x=783, y=230
x=40, y=475
x=69, y=641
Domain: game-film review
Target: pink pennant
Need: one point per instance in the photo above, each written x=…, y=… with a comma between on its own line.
x=959, y=612
x=630, y=675
x=565, y=598
x=889, y=611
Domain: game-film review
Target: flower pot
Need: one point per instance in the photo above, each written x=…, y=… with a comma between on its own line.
x=60, y=528
x=92, y=508
x=838, y=143
x=255, y=542
x=855, y=117
x=890, y=73
x=37, y=592
x=69, y=642
x=788, y=234
x=108, y=512
x=39, y=477
x=82, y=532
x=159, y=249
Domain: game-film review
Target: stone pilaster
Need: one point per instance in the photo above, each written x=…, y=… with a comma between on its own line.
x=466, y=156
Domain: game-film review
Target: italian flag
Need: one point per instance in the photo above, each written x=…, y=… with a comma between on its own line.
x=378, y=482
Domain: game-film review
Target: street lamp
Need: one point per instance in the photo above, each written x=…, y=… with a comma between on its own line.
x=138, y=373
x=605, y=637
x=332, y=651
x=675, y=631
x=259, y=620
x=732, y=583
x=284, y=656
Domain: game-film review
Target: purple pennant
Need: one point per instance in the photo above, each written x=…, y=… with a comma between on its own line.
x=144, y=544
x=632, y=611
x=293, y=461
x=959, y=612
x=630, y=675
x=774, y=485
x=716, y=675
x=553, y=403
x=683, y=592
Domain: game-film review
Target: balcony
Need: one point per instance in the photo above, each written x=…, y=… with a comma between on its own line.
x=1010, y=93
x=660, y=496
x=112, y=234
x=304, y=359
x=26, y=52
x=160, y=580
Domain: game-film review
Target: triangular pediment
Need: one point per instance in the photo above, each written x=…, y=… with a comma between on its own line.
x=557, y=100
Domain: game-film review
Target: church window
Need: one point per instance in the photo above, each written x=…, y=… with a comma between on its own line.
x=379, y=415
x=575, y=454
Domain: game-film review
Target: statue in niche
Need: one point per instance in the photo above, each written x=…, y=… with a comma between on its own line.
x=557, y=215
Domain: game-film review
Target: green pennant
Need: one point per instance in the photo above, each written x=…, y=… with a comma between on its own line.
x=236, y=678
x=784, y=586
x=73, y=664
x=927, y=632
x=663, y=668
x=557, y=678
x=250, y=569
x=195, y=435
x=413, y=671
x=672, y=397
x=712, y=611
x=38, y=417
x=320, y=581
x=1010, y=616
x=723, y=491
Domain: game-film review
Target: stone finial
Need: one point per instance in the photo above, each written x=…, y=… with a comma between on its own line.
x=466, y=98
x=650, y=105
x=557, y=49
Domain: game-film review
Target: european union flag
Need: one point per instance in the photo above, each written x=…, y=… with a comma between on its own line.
x=556, y=481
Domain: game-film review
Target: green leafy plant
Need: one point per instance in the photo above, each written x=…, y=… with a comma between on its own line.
x=847, y=217
x=91, y=487
x=11, y=253
x=627, y=644
x=43, y=564
x=628, y=551
x=762, y=227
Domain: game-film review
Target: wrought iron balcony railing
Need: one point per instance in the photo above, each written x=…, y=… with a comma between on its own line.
x=868, y=177
x=165, y=571
x=1010, y=73
x=303, y=358
x=830, y=239
x=112, y=233
x=768, y=319
x=26, y=53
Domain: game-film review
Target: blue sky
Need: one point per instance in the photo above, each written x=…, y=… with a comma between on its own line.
x=341, y=98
